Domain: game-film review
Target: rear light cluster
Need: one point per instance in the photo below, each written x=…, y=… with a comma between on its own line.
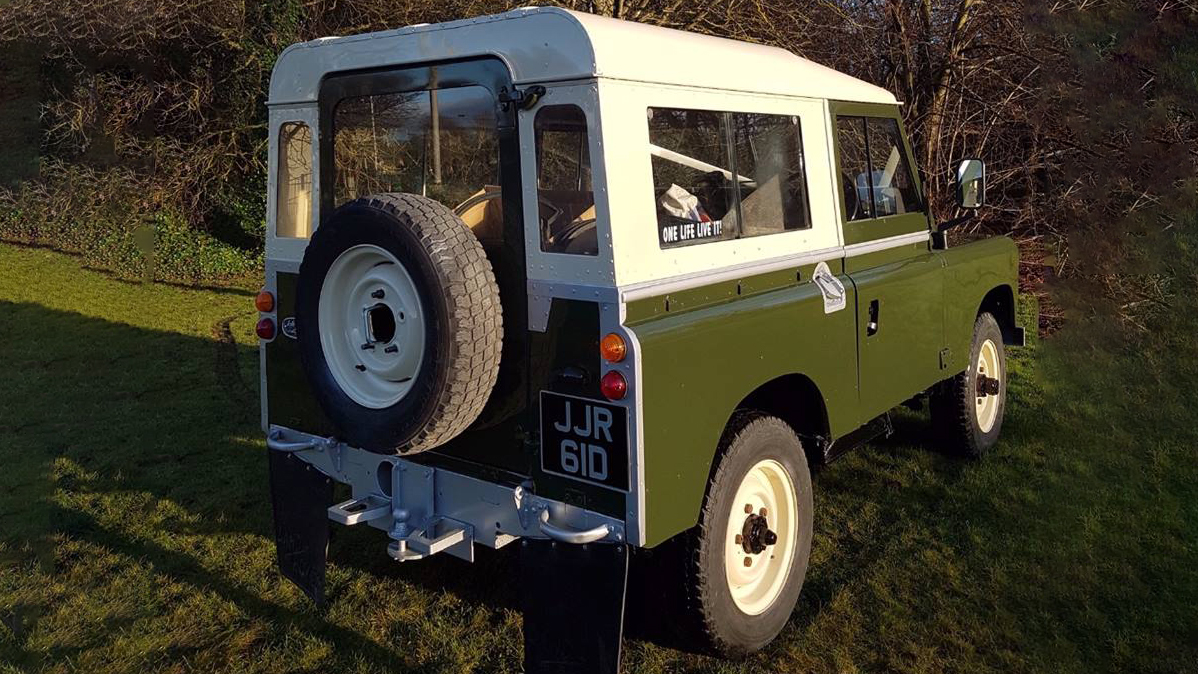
x=265, y=303
x=613, y=385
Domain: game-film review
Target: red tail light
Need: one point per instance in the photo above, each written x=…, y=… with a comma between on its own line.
x=613, y=386
x=266, y=328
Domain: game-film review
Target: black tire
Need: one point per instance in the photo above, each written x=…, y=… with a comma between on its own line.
x=953, y=401
x=723, y=628
x=463, y=321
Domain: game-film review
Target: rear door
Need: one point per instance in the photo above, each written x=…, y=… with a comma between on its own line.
x=443, y=131
x=899, y=279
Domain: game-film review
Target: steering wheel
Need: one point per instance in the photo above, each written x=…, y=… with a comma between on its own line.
x=562, y=241
x=852, y=201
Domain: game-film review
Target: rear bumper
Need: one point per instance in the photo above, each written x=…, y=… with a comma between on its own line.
x=426, y=510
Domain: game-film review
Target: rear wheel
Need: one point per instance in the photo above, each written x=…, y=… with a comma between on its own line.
x=748, y=556
x=967, y=410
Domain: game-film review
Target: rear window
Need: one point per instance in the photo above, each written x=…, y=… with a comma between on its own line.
x=443, y=144
x=722, y=175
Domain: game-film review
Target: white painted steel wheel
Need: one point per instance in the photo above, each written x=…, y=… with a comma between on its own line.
x=756, y=579
x=746, y=559
x=398, y=323
x=967, y=408
x=371, y=326
x=988, y=365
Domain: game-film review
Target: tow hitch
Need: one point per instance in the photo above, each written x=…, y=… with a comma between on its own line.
x=574, y=562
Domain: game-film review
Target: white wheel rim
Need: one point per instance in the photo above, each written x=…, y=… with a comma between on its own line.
x=374, y=362
x=986, y=406
x=755, y=587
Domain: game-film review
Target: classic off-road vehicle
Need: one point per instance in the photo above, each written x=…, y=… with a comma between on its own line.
x=598, y=286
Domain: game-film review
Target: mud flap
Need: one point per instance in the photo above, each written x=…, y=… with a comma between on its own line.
x=300, y=496
x=573, y=601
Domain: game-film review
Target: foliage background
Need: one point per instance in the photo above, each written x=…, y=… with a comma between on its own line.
x=123, y=116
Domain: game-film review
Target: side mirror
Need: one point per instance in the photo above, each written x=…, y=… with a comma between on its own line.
x=971, y=184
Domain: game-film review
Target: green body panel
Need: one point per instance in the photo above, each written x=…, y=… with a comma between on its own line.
x=290, y=402
x=971, y=271
x=903, y=356
x=704, y=350
x=698, y=364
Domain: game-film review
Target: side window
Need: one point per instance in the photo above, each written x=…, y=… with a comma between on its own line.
x=894, y=191
x=565, y=198
x=854, y=168
x=773, y=184
x=293, y=212
x=693, y=190
x=875, y=173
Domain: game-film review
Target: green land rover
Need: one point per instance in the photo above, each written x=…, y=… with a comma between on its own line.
x=608, y=290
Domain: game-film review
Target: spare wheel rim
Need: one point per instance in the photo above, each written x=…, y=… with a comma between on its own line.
x=986, y=406
x=371, y=326
x=756, y=586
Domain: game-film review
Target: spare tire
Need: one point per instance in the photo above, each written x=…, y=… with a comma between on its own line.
x=399, y=323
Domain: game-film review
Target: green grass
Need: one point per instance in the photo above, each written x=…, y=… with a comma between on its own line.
x=135, y=523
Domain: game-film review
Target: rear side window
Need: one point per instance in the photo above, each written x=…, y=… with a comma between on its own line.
x=293, y=212
x=874, y=170
x=722, y=175
x=692, y=183
x=773, y=187
x=565, y=198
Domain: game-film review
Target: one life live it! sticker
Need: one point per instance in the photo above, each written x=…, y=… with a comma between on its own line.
x=683, y=231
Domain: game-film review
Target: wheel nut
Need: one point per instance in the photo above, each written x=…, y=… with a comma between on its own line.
x=378, y=294
x=761, y=512
x=748, y=561
x=748, y=509
x=740, y=539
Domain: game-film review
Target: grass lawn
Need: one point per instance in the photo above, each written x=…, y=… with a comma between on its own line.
x=135, y=530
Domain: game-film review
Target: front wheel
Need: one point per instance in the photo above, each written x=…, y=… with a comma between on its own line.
x=749, y=554
x=967, y=410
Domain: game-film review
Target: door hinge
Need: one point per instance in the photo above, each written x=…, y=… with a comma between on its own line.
x=945, y=357
x=523, y=98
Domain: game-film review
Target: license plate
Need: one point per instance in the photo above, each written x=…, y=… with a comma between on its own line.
x=584, y=439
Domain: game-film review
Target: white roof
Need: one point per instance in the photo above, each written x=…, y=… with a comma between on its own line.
x=547, y=44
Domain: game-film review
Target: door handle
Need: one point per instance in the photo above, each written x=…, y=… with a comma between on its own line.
x=871, y=328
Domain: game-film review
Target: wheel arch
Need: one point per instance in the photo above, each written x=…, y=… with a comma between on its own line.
x=1000, y=302
x=796, y=399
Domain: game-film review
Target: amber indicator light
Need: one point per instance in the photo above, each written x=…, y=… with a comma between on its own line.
x=613, y=348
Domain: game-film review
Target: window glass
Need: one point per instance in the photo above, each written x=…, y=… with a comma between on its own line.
x=293, y=212
x=773, y=187
x=893, y=190
x=854, y=168
x=875, y=175
x=694, y=193
x=442, y=144
x=565, y=198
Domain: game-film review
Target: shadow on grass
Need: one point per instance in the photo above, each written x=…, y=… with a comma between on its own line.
x=125, y=438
